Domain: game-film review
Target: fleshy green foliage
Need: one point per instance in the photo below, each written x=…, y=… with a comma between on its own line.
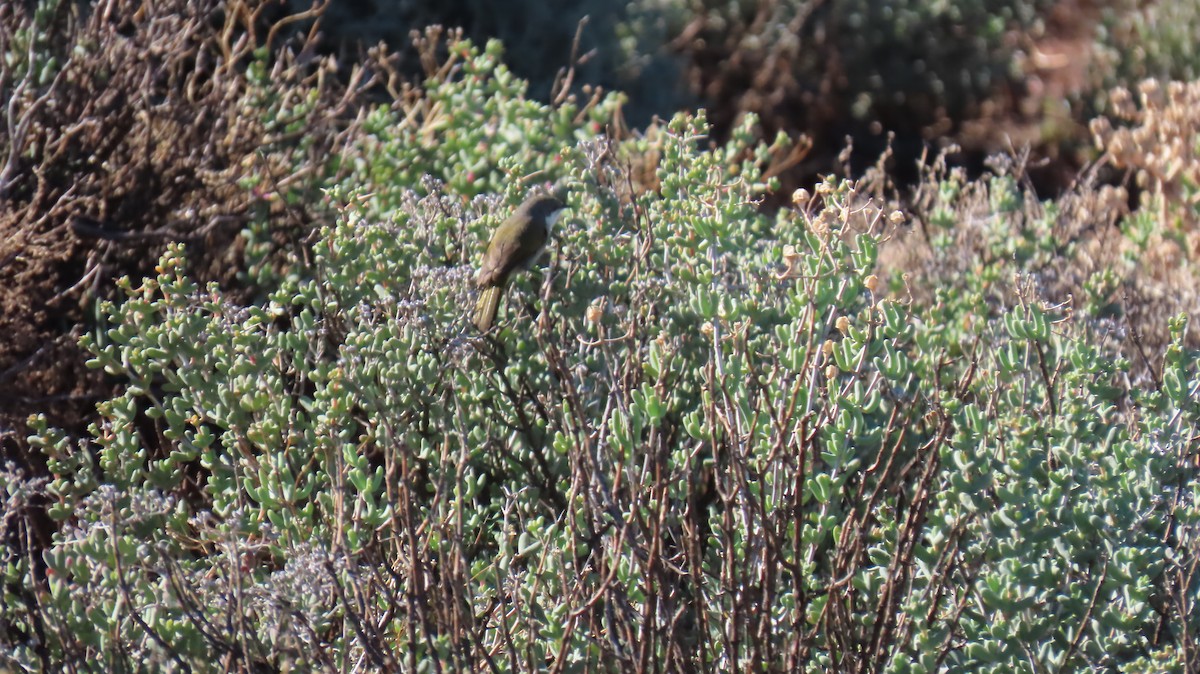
x=474, y=128
x=1053, y=514
x=1072, y=459
x=702, y=437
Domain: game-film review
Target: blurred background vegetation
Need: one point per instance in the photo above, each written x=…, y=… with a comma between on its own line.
x=989, y=75
x=870, y=345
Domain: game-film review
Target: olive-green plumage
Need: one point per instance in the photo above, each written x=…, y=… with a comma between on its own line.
x=516, y=244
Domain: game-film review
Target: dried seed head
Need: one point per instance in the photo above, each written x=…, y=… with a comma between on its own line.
x=595, y=310
x=790, y=255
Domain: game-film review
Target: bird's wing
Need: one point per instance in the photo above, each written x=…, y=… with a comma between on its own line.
x=524, y=242
x=497, y=264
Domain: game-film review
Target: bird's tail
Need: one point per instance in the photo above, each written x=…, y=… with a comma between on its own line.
x=489, y=303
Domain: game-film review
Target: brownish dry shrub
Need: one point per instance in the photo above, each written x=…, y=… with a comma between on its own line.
x=129, y=125
x=1160, y=146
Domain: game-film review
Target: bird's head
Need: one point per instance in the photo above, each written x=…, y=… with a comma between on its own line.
x=548, y=208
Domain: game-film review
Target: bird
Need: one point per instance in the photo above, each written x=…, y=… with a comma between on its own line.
x=516, y=245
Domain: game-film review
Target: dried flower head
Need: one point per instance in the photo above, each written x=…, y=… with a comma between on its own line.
x=595, y=310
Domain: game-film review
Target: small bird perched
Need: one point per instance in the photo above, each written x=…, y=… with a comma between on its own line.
x=517, y=244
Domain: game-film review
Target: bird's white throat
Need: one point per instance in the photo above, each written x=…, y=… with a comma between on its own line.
x=552, y=218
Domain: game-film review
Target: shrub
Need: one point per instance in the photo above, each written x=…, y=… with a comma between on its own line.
x=1149, y=40
x=703, y=436
x=129, y=127
x=859, y=69
x=1128, y=271
x=470, y=125
x=1160, y=145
